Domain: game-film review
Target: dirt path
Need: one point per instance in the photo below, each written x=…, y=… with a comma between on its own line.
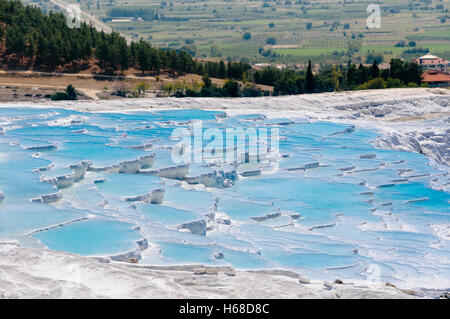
x=92, y=84
x=90, y=93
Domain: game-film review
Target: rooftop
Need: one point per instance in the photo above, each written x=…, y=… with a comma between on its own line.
x=429, y=56
x=436, y=76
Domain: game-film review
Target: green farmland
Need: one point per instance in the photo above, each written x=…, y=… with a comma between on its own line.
x=282, y=32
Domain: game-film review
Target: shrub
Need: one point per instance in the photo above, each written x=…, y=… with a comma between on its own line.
x=247, y=36
x=60, y=96
x=121, y=89
x=70, y=94
x=251, y=91
x=377, y=83
x=141, y=87
x=394, y=83
x=271, y=41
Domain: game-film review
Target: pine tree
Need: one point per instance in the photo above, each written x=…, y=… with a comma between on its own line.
x=15, y=41
x=102, y=54
x=133, y=53
x=143, y=57
x=2, y=33
x=124, y=54
x=154, y=61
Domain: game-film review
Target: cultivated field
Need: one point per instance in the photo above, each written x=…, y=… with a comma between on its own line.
x=279, y=31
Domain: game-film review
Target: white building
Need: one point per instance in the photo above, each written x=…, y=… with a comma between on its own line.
x=432, y=62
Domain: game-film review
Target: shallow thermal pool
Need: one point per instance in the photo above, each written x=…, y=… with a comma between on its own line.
x=328, y=204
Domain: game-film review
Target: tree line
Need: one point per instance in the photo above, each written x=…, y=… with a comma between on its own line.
x=230, y=88
x=147, y=14
x=338, y=78
x=43, y=40
x=330, y=78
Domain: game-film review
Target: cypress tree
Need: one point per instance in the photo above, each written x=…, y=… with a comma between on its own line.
x=363, y=75
x=352, y=76
x=375, y=70
x=309, y=79
x=222, y=70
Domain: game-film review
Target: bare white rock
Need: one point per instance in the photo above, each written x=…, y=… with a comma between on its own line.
x=35, y=273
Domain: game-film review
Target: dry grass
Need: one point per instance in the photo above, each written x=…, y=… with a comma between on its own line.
x=15, y=84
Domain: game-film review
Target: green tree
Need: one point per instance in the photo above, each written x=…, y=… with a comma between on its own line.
x=377, y=83
x=2, y=33
x=374, y=70
x=352, y=76
x=207, y=83
x=71, y=92
x=143, y=56
x=232, y=88
x=141, y=87
x=15, y=41
x=222, y=72
x=397, y=69
x=309, y=79
x=363, y=74
x=124, y=55
x=335, y=74
x=271, y=41
x=102, y=53
x=413, y=73
x=354, y=47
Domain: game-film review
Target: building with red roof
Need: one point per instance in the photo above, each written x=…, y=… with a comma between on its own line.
x=436, y=78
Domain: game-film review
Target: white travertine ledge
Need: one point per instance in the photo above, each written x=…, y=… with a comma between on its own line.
x=36, y=273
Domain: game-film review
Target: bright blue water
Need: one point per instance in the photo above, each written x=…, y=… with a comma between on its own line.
x=120, y=185
x=167, y=215
x=91, y=237
x=334, y=220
